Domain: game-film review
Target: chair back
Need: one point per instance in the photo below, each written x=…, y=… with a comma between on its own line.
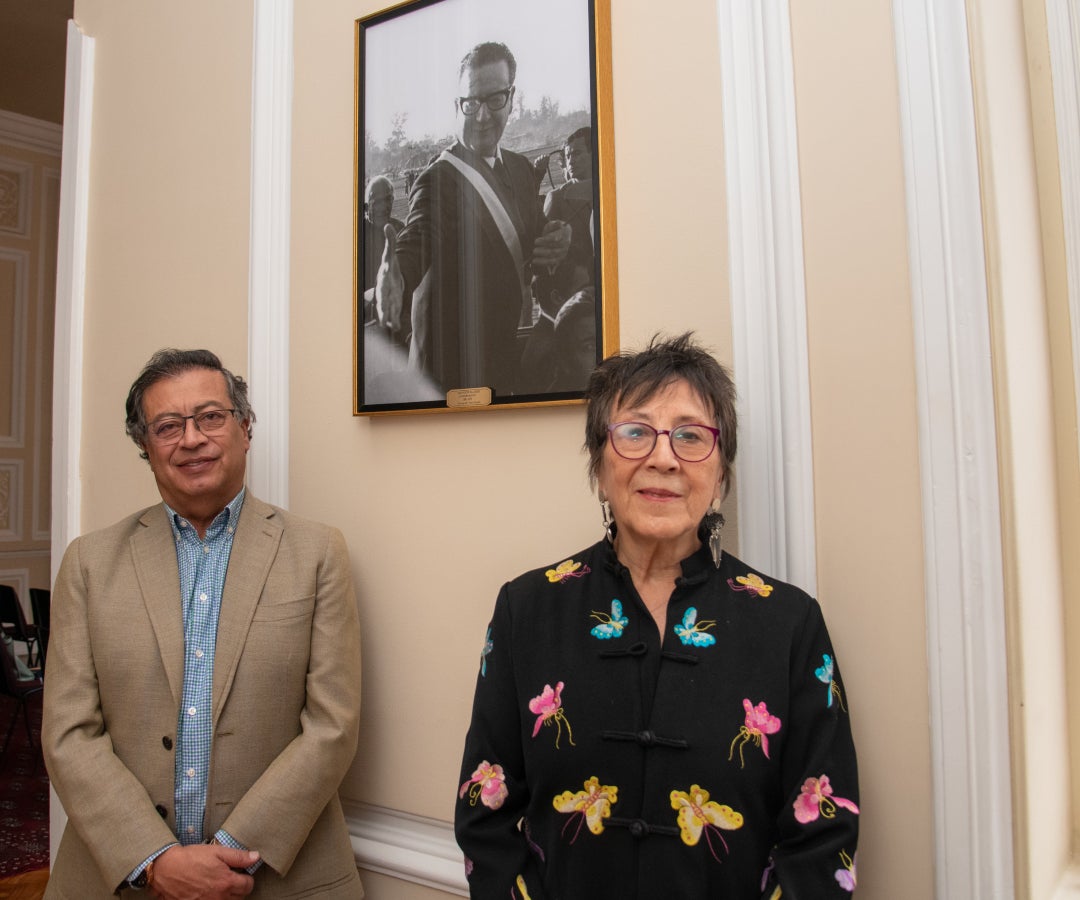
x=40, y=606
x=12, y=618
x=9, y=675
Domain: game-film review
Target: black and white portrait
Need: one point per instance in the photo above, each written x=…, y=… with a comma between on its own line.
x=478, y=241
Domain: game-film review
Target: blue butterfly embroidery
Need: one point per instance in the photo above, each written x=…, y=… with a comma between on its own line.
x=692, y=633
x=824, y=674
x=611, y=626
x=488, y=646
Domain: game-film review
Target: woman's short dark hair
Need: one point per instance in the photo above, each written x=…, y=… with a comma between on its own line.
x=632, y=378
x=169, y=363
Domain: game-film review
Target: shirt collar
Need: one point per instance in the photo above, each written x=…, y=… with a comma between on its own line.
x=231, y=513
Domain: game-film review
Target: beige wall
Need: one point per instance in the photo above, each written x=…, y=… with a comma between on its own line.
x=440, y=510
x=168, y=213
x=862, y=385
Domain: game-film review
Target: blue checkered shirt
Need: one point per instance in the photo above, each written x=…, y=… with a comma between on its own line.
x=202, y=563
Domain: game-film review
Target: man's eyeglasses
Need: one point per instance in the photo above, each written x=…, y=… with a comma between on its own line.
x=170, y=430
x=470, y=106
x=636, y=440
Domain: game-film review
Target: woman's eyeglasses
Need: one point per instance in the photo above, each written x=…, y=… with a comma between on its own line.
x=636, y=440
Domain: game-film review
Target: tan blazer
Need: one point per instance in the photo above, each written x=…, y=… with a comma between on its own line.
x=286, y=698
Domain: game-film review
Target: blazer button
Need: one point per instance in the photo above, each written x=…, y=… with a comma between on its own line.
x=166, y=742
x=162, y=811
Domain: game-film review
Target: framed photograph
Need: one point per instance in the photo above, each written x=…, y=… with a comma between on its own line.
x=485, y=268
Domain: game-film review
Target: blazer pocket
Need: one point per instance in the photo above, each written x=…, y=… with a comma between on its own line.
x=276, y=609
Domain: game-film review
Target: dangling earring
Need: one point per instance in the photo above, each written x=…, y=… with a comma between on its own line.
x=714, y=523
x=608, y=520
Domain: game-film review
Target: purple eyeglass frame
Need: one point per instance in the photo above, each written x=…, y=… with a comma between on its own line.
x=656, y=436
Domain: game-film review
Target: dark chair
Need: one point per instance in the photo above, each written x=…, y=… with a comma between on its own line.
x=20, y=690
x=40, y=602
x=13, y=621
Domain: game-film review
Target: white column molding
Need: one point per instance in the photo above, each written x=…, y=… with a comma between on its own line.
x=268, y=281
x=768, y=295
x=68, y=336
x=70, y=292
x=958, y=454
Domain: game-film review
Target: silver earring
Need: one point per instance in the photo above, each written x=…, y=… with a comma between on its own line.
x=714, y=523
x=608, y=520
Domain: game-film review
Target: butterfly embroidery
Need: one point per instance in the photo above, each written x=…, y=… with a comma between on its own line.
x=590, y=806
x=489, y=645
x=757, y=728
x=699, y=815
x=824, y=674
x=487, y=784
x=816, y=798
x=692, y=633
x=845, y=877
x=548, y=708
x=567, y=569
x=611, y=626
x=751, y=583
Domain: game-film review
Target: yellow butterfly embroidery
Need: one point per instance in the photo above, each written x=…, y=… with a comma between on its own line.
x=590, y=806
x=567, y=569
x=698, y=814
x=752, y=583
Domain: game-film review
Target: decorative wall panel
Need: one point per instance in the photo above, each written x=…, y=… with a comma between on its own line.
x=11, y=492
x=14, y=288
x=16, y=192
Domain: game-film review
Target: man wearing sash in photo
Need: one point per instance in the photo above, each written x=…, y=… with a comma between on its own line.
x=454, y=285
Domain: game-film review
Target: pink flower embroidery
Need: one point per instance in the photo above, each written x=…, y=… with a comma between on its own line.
x=817, y=798
x=759, y=725
x=488, y=785
x=548, y=709
x=845, y=877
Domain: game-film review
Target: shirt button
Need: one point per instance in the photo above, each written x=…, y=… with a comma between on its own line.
x=646, y=738
x=198, y=654
x=190, y=829
x=205, y=549
x=190, y=773
x=229, y=529
x=638, y=828
x=191, y=710
x=202, y=597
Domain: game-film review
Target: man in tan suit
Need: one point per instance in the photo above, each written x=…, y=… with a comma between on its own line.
x=203, y=685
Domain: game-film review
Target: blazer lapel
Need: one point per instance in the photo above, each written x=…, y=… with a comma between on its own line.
x=153, y=550
x=255, y=545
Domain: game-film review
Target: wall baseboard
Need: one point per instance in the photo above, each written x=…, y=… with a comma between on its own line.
x=412, y=848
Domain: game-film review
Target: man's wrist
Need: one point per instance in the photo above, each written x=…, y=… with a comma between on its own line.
x=143, y=876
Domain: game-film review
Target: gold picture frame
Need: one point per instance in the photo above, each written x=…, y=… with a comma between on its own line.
x=447, y=340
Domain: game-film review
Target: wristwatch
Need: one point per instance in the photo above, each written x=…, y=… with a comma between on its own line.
x=145, y=878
